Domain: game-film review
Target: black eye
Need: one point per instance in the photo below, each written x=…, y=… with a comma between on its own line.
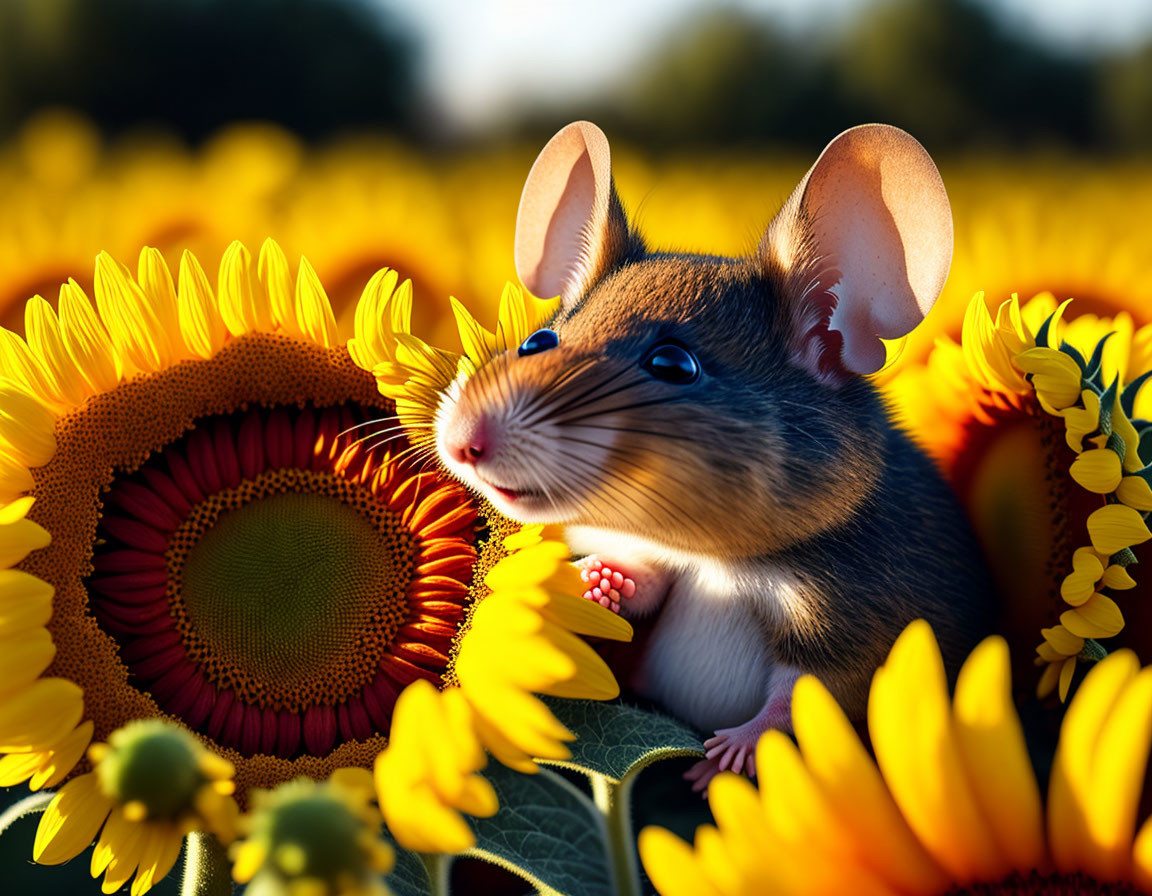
x=540, y=341
x=672, y=363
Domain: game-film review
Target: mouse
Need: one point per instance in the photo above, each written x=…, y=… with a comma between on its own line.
x=704, y=429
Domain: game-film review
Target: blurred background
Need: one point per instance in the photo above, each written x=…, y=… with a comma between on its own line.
x=372, y=133
x=369, y=133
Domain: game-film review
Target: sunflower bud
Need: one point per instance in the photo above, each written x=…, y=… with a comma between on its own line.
x=313, y=838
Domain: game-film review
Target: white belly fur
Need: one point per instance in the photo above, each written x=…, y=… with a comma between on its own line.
x=706, y=662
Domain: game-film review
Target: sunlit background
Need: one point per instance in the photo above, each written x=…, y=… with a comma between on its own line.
x=372, y=133
x=365, y=133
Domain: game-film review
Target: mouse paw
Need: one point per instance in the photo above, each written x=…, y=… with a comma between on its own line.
x=607, y=585
x=701, y=775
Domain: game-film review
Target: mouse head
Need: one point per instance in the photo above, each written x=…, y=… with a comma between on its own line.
x=711, y=404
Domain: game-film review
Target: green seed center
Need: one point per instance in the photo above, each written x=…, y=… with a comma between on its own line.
x=282, y=587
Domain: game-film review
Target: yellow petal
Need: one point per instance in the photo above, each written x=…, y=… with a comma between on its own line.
x=41, y=714
x=1118, y=579
x=87, y=341
x=157, y=861
x=137, y=333
x=71, y=821
x=995, y=756
x=62, y=758
x=25, y=601
x=672, y=866
x=1097, y=617
x=26, y=427
x=1055, y=376
x=1063, y=641
x=1080, y=584
x=1118, y=775
x=371, y=343
x=479, y=344
x=1135, y=492
x=156, y=281
x=276, y=279
x=1070, y=785
x=1081, y=421
x=46, y=340
x=313, y=310
x=1048, y=679
x=1098, y=470
x=916, y=749
x=201, y=325
x=19, y=364
x=1123, y=427
x=23, y=659
x=17, y=540
x=243, y=304
x=1067, y=670
x=1115, y=527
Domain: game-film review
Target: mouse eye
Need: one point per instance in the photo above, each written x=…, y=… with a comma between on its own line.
x=672, y=363
x=540, y=341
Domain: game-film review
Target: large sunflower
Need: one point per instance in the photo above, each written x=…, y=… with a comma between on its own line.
x=1036, y=424
x=950, y=805
x=214, y=518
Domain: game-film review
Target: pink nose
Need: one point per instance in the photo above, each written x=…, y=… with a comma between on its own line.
x=468, y=447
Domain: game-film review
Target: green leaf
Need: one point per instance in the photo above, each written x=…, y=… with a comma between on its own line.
x=616, y=740
x=546, y=831
x=410, y=876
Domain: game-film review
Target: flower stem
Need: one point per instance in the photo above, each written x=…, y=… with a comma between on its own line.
x=439, y=868
x=613, y=799
x=38, y=802
x=207, y=871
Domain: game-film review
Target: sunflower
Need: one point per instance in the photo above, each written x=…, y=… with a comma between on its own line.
x=213, y=518
x=152, y=785
x=1036, y=424
x=950, y=805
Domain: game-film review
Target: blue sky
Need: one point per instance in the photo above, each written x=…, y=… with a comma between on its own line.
x=487, y=57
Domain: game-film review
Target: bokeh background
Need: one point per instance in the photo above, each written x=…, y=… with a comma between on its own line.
x=371, y=133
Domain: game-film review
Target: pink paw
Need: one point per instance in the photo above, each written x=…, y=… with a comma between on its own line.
x=606, y=586
x=734, y=749
x=731, y=750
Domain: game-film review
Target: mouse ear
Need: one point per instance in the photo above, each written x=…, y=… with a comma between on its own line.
x=862, y=248
x=571, y=228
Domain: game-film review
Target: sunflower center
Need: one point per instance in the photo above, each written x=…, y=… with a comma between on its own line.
x=282, y=587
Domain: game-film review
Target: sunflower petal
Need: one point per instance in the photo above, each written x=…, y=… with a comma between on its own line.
x=71, y=821
x=672, y=866
x=201, y=325
x=87, y=341
x=1115, y=527
x=313, y=310
x=995, y=756
x=916, y=749
x=276, y=279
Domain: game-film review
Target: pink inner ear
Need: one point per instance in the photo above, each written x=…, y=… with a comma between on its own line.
x=564, y=198
x=564, y=241
x=881, y=216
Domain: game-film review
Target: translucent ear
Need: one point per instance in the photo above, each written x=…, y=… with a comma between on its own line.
x=571, y=227
x=864, y=243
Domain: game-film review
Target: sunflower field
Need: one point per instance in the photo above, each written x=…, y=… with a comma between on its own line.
x=264, y=629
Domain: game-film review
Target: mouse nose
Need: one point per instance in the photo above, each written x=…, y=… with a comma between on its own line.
x=468, y=444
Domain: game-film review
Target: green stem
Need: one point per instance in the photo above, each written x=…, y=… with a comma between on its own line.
x=439, y=869
x=613, y=799
x=38, y=802
x=207, y=871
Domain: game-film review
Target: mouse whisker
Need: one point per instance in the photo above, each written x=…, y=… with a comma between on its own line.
x=617, y=409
